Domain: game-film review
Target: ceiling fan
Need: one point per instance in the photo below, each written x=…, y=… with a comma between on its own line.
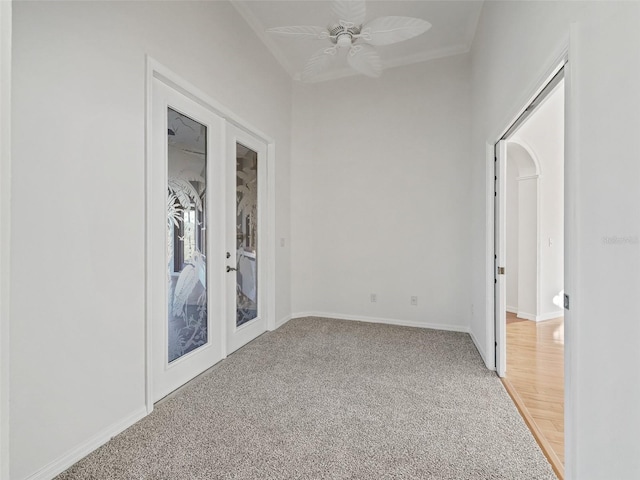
x=350, y=33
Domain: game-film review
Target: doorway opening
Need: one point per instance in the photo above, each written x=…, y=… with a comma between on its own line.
x=529, y=253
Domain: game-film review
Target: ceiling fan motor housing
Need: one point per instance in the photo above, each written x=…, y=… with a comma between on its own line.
x=343, y=36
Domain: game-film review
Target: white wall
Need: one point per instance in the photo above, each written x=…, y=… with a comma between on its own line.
x=77, y=329
x=523, y=242
x=380, y=195
x=605, y=179
x=543, y=132
x=513, y=49
x=527, y=248
x=5, y=218
x=512, y=235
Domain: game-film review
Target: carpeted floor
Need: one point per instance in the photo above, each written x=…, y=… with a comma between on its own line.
x=331, y=399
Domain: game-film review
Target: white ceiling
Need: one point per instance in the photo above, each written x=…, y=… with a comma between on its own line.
x=453, y=29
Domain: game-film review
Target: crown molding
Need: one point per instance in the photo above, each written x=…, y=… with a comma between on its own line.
x=426, y=56
x=396, y=62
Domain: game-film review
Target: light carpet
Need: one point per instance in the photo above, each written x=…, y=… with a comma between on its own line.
x=332, y=399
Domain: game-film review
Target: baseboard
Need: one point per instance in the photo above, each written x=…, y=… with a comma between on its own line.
x=481, y=350
x=526, y=316
x=540, y=318
x=61, y=464
x=549, y=316
x=282, y=321
x=388, y=321
x=512, y=309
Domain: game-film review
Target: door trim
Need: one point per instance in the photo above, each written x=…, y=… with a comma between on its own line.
x=156, y=70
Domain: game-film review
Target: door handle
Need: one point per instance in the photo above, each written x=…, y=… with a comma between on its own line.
x=230, y=269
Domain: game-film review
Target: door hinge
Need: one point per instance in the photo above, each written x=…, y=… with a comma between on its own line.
x=500, y=270
x=566, y=301
x=495, y=280
x=495, y=194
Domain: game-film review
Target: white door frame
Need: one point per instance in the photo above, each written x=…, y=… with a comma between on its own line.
x=5, y=228
x=155, y=70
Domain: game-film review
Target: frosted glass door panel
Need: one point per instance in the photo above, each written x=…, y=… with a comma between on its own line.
x=187, y=284
x=186, y=235
x=246, y=234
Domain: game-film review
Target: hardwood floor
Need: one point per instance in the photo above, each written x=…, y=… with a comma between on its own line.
x=535, y=381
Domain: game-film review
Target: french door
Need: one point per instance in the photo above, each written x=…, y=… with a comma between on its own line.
x=186, y=239
x=206, y=244
x=246, y=239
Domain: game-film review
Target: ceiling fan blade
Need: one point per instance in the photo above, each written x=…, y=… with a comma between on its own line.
x=388, y=30
x=318, y=62
x=303, y=31
x=365, y=59
x=352, y=11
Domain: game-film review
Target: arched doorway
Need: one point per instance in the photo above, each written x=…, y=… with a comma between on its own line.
x=523, y=232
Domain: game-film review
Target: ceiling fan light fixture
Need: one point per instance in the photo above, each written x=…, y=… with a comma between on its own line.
x=344, y=40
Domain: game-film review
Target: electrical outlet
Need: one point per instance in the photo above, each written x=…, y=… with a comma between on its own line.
x=374, y=298
x=414, y=301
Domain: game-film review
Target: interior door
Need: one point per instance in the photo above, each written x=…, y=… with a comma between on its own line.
x=186, y=239
x=246, y=239
x=500, y=258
